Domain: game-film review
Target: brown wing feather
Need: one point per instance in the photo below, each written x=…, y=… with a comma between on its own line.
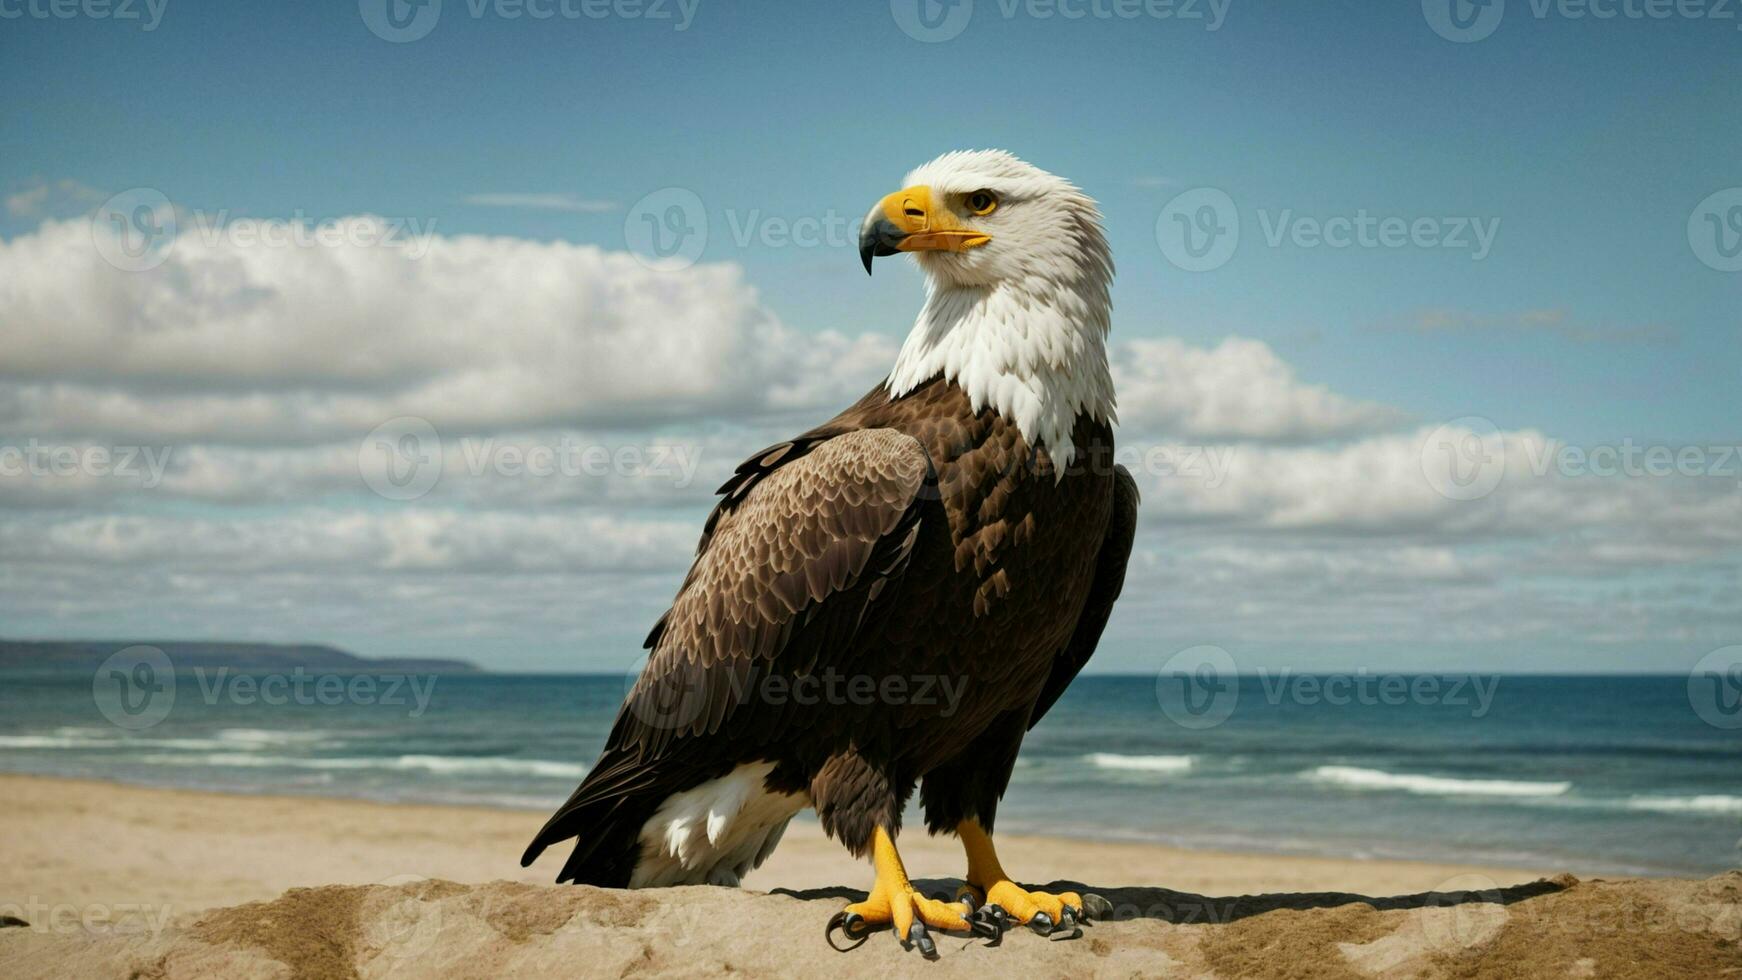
x=789, y=570
x=800, y=541
x=1109, y=581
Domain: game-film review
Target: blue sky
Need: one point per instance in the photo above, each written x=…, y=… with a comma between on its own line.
x=1590, y=143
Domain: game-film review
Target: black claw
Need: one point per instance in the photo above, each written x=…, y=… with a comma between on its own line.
x=1096, y=907
x=852, y=925
x=1067, y=927
x=918, y=936
x=988, y=921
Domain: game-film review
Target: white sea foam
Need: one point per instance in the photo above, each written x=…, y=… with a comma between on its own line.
x=54, y=742
x=1706, y=803
x=264, y=736
x=1353, y=777
x=1143, y=763
x=230, y=739
x=442, y=764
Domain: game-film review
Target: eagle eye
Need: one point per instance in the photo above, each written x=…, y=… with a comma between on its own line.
x=982, y=202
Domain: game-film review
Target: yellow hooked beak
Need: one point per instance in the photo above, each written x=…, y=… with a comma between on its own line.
x=909, y=221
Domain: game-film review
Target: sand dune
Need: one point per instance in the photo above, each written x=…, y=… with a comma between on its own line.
x=432, y=928
x=126, y=882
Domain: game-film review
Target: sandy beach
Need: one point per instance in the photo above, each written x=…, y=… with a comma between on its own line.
x=126, y=881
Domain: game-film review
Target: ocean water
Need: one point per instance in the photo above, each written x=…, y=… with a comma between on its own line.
x=1617, y=775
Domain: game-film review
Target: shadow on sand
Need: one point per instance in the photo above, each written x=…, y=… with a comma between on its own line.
x=1185, y=908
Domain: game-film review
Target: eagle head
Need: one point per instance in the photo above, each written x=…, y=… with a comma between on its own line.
x=978, y=218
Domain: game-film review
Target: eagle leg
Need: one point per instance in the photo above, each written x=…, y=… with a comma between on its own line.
x=894, y=902
x=987, y=885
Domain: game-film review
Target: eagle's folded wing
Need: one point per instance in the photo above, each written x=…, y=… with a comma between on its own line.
x=807, y=538
x=1109, y=580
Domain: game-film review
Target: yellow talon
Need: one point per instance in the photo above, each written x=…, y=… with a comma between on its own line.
x=986, y=875
x=893, y=901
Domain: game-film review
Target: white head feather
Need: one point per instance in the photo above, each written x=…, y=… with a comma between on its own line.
x=1021, y=322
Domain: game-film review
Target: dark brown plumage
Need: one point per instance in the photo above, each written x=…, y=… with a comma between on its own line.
x=910, y=537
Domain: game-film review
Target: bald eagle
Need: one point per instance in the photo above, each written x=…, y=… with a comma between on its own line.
x=962, y=527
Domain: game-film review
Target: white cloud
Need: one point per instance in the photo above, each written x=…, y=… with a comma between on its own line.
x=1237, y=390
x=1307, y=516
x=349, y=541
x=298, y=344
x=43, y=198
